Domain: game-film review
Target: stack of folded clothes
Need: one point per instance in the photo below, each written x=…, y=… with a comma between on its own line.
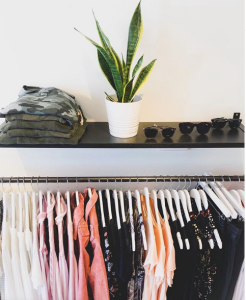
x=42, y=116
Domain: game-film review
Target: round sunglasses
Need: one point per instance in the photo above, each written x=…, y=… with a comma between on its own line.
x=202, y=127
x=219, y=123
x=166, y=131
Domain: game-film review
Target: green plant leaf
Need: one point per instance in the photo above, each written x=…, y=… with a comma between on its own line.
x=123, y=62
x=112, y=65
x=134, y=36
x=142, y=77
x=105, y=69
x=127, y=91
x=110, y=98
x=138, y=65
x=107, y=46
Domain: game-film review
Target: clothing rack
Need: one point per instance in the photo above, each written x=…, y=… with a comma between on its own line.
x=122, y=179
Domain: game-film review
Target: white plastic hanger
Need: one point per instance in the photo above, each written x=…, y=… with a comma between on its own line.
x=235, y=205
x=20, y=206
x=161, y=196
x=183, y=200
x=196, y=196
x=175, y=196
x=137, y=195
x=109, y=203
x=89, y=190
x=77, y=193
x=153, y=195
x=168, y=196
x=187, y=195
x=220, y=194
x=215, y=199
x=101, y=206
x=129, y=196
x=40, y=198
x=116, y=203
x=205, y=204
x=58, y=196
x=48, y=192
x=27, y=225
x=68, y=204
x=122, y=204
x=236, y=196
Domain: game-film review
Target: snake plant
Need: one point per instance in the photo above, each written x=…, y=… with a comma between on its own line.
x=116, y=70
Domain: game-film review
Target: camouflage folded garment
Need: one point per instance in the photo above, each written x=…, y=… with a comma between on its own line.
x=45, y=102
x=73, y=140
x=34, y=118
x=42, y=126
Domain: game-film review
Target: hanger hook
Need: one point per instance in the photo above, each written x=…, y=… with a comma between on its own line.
x=24, y=184
x=121, y=183
x=18, y=184
x=171, y=182
x=156, y=182
x=99, y=181
x=130, y=181
x=57, y=180
x=37, y=182
x=47, y=183
x=107, y=183
x=67, y=183
x=2, y=186
x=189, y=185
x=115, y=183
x=31, y=182
x=89, y=181
x=238, y=185
x=179, y=183
x=197, y=183
x=229, y=180
x=76, y=183
x=164, y=181
x=137, y=183
x=185, y=183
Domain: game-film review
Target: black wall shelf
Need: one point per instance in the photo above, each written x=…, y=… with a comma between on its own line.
x=97, y=136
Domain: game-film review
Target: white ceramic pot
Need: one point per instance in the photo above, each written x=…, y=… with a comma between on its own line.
x=123, y=118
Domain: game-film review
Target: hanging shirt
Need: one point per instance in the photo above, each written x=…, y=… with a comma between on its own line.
x=72, y=264
x=36, y=273
x=55, y=282
x=15, y=258
x=9, y=286
x=30, y=293
x=44, y=255
x=81, y=232
x=62, y=259
x=161, y=253
x=97, y=275
x=151, y=258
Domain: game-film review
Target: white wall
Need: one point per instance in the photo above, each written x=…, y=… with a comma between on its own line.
x=199, y=74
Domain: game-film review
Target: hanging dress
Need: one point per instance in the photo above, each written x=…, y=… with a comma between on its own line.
x=62, y=259
x=97, y=275
x=55, y=283
x=9, y=286
x=72, y=265
x=15, y=257
x=44, y=255
x=25, y=263
x=36, y=273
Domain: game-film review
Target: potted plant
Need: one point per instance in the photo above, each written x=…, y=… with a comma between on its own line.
x=123, y=108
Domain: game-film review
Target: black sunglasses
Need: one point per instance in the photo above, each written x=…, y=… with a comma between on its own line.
x=220, y=123
x=166, y=131
x=202, y=128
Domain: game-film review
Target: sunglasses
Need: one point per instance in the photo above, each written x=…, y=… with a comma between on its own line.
x=220, y=123
x=166, y=131
x=202, y=128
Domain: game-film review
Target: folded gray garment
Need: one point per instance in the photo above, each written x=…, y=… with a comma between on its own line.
x=6, y=140
x=44, y=102
x=41, y=126
x=34, y=118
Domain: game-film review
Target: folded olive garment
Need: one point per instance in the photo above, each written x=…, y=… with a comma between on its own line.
x=34, y=118
x=42, y=116
x=6, y=140
x=45, y=102
x=42, y=125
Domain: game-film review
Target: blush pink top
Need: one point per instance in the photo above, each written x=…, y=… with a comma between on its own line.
x=72, y=265
x=62, y=259
x=81, y=232
x=151, y=258
x=55, y=283
x=97, y=275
